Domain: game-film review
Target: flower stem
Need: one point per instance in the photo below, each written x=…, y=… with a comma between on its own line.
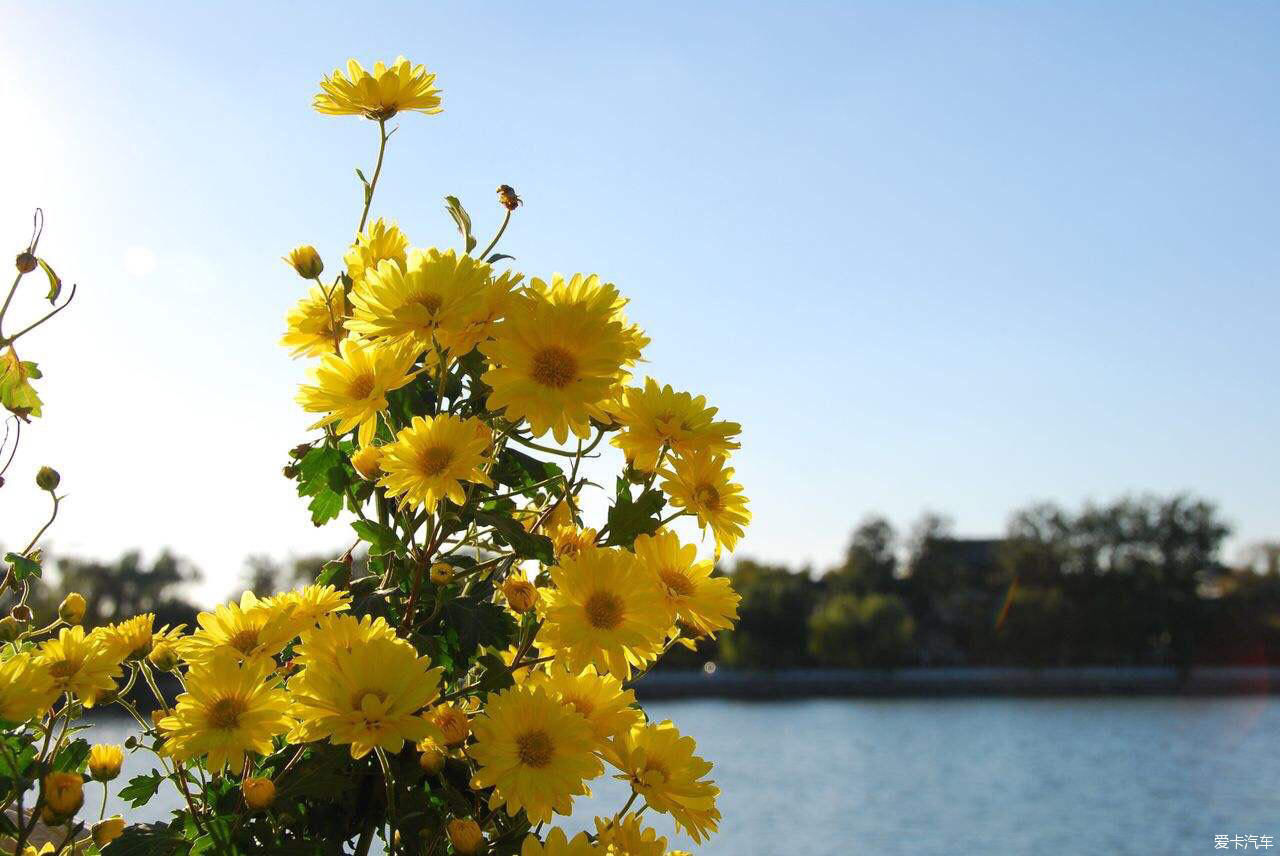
x=377, y=171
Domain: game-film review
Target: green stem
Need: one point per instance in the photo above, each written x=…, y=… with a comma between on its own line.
x=497, y=237
x=377, y=171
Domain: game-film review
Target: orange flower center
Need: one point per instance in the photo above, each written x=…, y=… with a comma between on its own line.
x=434, y=460
x=604, y=610
x=707, y=496
x=244, y=641
x=361, y=385
x=555, y=367
x=677, y=582
x=225, y=713
x=535, y=749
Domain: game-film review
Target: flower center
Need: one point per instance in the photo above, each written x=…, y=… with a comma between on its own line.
x=677, y=582
x=225, y=713
x=581, y=705
x=555, y=367
x=62, y=669
x=654, y=774
x=707, y=497
x=434, y=460
x=361, y=386
x=244, y=641
x=430, y=302
x=535, y=749
x=371, y=697
x=604, y=610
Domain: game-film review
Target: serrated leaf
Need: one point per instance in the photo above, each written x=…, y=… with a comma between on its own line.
x=325, y=506
x=73, y=757
x=381, y=539
x=55, y=283
x=141, y=788
x=629, y=518
x=518, y=470
x=334, y=573
x=527, y=545
x=23, y=568
x=479, y=624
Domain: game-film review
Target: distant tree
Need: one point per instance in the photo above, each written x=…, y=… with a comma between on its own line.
x=129, y=586
x=870, y=562
x=873, y=630
x=772, y=630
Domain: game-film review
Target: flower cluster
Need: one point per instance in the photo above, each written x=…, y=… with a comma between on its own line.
x=454, y=680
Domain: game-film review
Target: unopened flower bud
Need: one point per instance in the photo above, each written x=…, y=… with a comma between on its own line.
x=26, y=262
x=442, y=573
x=72, y=608
x=164, y=657
x=290, y=471
x=306, y=261
x=367, y=462
x=22, y=613
x=10, y=628
x=105, y=762
x=432, y=758
x=106, y=831
x=258, y=793
x=47, y=478
x=521, y=594
x=465, y=835
x=507, y=197
x=63, y=796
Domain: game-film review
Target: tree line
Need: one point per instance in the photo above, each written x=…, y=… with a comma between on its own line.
x=1139, y=581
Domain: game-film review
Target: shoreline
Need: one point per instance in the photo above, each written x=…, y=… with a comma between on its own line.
x=959, y=682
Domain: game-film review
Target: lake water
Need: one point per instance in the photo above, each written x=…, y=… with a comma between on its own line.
x=967, y=776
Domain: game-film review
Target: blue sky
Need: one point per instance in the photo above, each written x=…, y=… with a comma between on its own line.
x=949, y=256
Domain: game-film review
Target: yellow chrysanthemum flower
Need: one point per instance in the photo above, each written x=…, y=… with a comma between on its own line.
x=661, y=766
x=559, y=844
x=351, y=387
x=553, y=364
x=250, y=630
x=105, y=761
x=315, y=324
x=339, y=634
x=496, y=299
x=432, y=457
x=304, y=607
x=425, y=305
x=599, y=298
x=26, y=689
x=655, y=418
x=604, y=610
x=228, y=710
x=133, y=638
x=380, y=93
x=80, y=665
x=536, y=753
x=705, y=603
x=629, y=837
x=569, y=541
x=370, y=695
x=378, y=243
x=607, y=707
x=702, y=484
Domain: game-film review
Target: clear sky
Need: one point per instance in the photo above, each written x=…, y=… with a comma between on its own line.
x=949, y=256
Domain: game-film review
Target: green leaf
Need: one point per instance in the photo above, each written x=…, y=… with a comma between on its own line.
x=142, y=788
x=382, y=539
x=629, y=517
x=72, y=758
x=217, y=840
x=16, y=749
x=517, y=470
x=17, y=395
x=479, y=624
x=55, y=284
x=23, y=568
x=527, y=545
x=335, y=573
x=326, y=506
x=496, y=675
x=461, y=219
x=497, y=257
